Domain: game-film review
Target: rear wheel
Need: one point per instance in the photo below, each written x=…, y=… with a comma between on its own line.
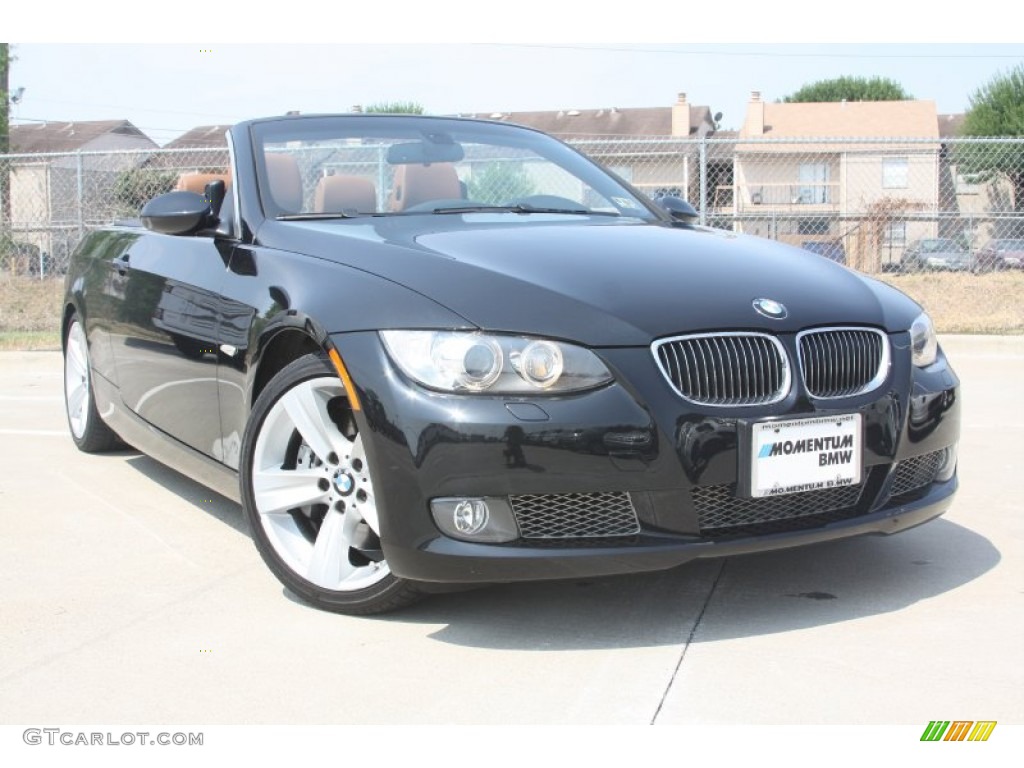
x=308, y=493
x=87, y=428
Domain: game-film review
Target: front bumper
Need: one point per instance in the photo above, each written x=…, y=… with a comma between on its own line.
x=635, y=438
x=446, y=560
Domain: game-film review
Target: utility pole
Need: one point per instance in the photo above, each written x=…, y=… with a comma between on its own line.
x=5, y=144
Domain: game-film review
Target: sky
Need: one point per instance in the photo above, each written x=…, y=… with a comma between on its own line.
x=532, y=55
x=165, y=89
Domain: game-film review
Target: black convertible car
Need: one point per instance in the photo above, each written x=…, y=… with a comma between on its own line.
x=423, y=352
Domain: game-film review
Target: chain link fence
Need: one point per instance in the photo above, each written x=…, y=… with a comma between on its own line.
x=893, y=205
x=48, y=202
x=879, y=206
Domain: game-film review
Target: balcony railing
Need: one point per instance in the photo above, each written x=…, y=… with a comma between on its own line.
x=821, y=196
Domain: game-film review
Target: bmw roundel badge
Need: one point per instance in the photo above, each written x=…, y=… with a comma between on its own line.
x=770, y=308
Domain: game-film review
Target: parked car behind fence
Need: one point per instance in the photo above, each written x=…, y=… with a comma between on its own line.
x=997, y=255
x=935, y=253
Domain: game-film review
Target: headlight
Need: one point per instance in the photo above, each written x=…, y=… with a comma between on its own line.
x=924, y=346
x=457, y=361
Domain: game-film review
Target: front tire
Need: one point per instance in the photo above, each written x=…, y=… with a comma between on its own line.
x=88, y=430
x=308, y=494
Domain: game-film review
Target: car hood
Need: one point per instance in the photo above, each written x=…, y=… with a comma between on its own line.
x=603, y=282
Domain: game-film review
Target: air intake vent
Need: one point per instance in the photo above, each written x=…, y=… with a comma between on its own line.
x=840, y=362
x=721, y=513
x=574, y=515
x=914, y=474
x=725, y=369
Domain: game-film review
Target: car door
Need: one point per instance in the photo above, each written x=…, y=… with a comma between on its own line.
x=165, y=334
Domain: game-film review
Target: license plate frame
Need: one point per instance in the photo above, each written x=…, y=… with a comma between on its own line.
x=800, y=455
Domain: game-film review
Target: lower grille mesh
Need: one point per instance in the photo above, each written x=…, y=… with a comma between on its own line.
x=574, y=515
x=720, y=513
x=914, y=474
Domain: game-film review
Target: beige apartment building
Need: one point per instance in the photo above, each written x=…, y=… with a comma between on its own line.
x=864, y=174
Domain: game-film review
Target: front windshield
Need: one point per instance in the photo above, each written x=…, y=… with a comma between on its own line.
x=390, y=165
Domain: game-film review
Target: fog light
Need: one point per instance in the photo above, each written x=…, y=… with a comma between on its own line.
x=470, y=516
x=486, y=519
x=947, y=464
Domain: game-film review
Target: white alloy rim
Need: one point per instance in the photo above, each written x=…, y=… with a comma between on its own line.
x=76, y=380
x=313, y=491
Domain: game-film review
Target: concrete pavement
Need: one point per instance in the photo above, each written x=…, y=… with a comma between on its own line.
x=130, y=594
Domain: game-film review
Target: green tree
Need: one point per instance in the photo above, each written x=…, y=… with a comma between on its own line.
x=997, y=109
x=850, y=89
x=395, y=108
x=4, y=97
x=135, y=187
x=5, y=143
x=499, y=183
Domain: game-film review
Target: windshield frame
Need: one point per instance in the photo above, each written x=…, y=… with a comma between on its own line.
x=416, y=127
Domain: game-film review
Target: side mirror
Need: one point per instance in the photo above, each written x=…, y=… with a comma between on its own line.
x=176, y=213
x=215, y=193
x=679, y=209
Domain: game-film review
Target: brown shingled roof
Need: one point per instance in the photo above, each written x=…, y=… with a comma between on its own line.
x=202, y=136
x=906, y=119
x=627, y=121
x=66, y=137
x=851, y=120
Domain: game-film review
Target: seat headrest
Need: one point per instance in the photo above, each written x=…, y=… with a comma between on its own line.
x=285, y=182
x=196, y=181
x=415, y=184
x=334, y=194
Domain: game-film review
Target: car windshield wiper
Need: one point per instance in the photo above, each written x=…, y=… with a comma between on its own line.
x=347, y=214
x=522, y=208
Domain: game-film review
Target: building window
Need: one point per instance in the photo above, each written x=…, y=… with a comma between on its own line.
x=895, y=235
x=895, y=173
x=814, y=186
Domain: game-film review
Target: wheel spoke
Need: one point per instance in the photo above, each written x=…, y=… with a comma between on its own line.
x=76, y=380
x=76, y=354
x=278, y=490
x=367, y=509
x=76, y=398
x=309, y=416
x=331, y=483
x=329, y=563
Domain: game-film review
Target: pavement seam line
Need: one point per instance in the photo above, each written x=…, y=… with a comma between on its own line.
x=689, y=639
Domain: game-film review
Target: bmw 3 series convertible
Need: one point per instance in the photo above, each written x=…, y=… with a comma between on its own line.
x=427, y=352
